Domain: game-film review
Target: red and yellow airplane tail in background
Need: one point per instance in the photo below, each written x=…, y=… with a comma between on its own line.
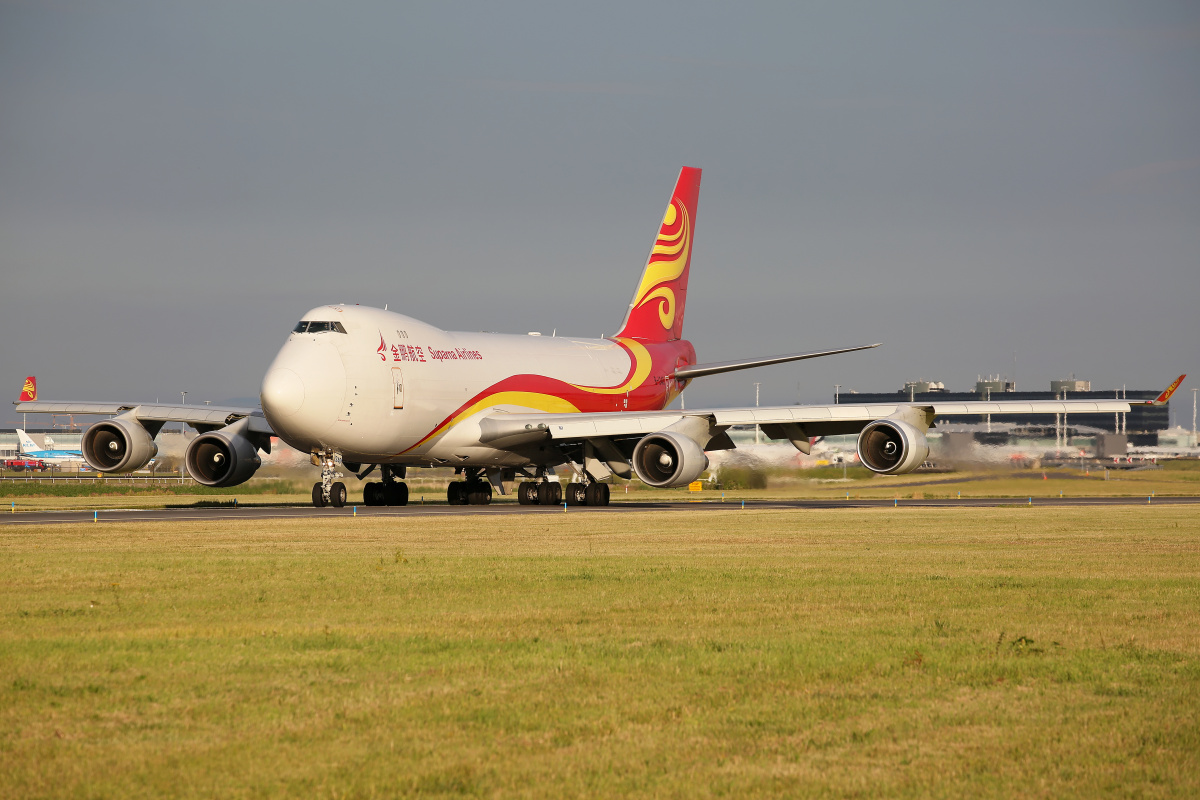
x=29, y=390
x=656, y=313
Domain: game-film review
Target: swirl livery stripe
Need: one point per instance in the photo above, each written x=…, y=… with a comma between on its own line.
x=548, y=394
x=668, y=259
x=640, y=363
x=549, y=403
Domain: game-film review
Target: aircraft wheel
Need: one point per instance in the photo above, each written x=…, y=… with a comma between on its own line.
x=318, y=496
x=395, y=494
x=455, y=495
x=370, y=495
x=577, y=494
x=527, y=493
x=597, y=494
x=549, y=493
x=337, y=495
x=479, y=493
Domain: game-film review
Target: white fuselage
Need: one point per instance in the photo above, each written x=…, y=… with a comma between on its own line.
x=392, y=389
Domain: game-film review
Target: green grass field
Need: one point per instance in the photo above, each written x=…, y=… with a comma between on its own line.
x=907, y=652
x=1177, y=478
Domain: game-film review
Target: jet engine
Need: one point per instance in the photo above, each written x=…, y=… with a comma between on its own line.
x=118, y=445
x=666, y=459
x=891, y=447
x=222, y=458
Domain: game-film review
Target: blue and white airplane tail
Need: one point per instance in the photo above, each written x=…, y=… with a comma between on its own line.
x=27, y=445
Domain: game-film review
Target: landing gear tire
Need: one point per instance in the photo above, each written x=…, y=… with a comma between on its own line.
x=577, y=494
x=394, y=494
x=479, y=493
x=318, y=496
x=337, y=495
x=549, y=493
x=597, y=494
x=455, y=494
x=371, y=494
x=527, y=493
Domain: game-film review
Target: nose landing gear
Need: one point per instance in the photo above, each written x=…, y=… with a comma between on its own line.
x=328, y=492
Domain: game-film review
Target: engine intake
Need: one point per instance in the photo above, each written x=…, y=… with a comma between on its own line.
x=891, y=447
x=667, y=459
x=118, y=445
x=221, y=458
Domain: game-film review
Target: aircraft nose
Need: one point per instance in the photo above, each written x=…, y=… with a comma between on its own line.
x=303, y=390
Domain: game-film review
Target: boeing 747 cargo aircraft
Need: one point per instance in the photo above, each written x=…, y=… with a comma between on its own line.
x=378, y=390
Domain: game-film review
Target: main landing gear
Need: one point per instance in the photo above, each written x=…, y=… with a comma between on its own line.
x=550, y=493
x=473, y=491
x=587, y=494
x=388, y=492
x=328, y=492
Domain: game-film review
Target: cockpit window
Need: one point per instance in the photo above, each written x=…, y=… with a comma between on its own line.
x=306, y=326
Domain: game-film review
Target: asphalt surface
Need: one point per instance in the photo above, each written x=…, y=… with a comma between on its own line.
x=418, y=510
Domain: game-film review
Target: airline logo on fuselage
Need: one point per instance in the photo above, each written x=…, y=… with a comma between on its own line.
x=408, y=352
x=457, y=354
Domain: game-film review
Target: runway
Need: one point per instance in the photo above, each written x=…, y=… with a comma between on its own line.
x=226, y=513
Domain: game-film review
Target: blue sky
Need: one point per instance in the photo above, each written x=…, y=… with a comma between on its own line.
x=180, y=182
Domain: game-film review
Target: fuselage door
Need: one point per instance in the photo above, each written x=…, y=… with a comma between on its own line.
x=397, y=388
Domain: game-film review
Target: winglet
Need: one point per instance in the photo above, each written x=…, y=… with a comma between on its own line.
x=1162, y=399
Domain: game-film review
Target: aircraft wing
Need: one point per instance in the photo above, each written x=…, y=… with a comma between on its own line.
x=202, y=418
x=513, y=429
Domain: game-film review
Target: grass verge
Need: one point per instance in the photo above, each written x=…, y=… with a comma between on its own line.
x=1044, y=652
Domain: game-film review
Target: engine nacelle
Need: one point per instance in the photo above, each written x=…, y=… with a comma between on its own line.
x=221, y=458
x=891, y=447
x=118, y=445
x=668, y=459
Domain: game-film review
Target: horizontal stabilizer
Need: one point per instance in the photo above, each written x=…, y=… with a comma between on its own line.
x=696, y=370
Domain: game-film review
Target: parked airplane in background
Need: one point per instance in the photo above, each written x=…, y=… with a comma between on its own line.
x=380, y=390
x=61, y=458
x=29, y=449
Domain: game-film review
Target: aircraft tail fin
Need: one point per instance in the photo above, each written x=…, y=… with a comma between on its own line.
x=1162, y=399
x=656, y=312
x=29, y=390
x=27, y=445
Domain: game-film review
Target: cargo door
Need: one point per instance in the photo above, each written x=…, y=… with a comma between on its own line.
x=397, y=388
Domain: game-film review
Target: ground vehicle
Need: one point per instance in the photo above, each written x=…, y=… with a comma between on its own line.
x=22, y=464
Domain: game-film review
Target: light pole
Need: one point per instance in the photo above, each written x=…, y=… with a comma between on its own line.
x=837, y=390
x=756, y=428
x=1194, y=418
x=182, y=402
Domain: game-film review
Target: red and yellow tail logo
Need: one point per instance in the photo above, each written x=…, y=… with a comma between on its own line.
x=656, y=313
x=1170, y=390
x=29, y=390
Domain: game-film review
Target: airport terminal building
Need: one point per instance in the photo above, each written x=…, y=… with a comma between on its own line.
x=1141, y=425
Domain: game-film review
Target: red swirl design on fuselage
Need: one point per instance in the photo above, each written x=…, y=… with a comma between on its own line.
x=653, y=393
